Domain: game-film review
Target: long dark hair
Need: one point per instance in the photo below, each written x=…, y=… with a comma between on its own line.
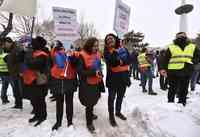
x=89, y=44
x=117, y=40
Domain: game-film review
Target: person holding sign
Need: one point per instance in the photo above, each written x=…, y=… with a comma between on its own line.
x=64, y=79
x=117, y=79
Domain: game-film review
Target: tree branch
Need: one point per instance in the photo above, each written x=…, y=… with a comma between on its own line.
x=8, y=28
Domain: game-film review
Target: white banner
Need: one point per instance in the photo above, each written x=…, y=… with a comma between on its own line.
x=65, y=24
x=122, y=17
x=19, y=7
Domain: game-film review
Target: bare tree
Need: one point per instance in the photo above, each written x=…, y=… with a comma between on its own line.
x=134, y=39
x=45, y=29
x=9, y=19
x=86, y=29
x=21, y=25
x=7, y=30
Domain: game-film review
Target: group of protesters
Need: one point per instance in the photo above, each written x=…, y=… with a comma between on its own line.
x=32, y=70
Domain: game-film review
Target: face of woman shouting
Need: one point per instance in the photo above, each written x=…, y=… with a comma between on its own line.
x=111, y=42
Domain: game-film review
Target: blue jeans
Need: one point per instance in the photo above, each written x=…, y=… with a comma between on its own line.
x=16, y=88
x=5, y=82
x=147, y=75
x=112, y=93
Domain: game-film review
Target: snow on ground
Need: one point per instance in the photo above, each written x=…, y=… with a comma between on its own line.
x=148, y=116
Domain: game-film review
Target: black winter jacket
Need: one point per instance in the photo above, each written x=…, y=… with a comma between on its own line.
x=113, y=79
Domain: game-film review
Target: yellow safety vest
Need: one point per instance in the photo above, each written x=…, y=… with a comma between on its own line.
x=143, y=63
x=180, y=57
x=3, y=64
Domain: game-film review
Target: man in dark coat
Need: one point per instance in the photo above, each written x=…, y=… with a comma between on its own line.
x=163, y=80
x=14, y=60
x=177, y=65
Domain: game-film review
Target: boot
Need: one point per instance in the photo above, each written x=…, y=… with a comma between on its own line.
x=94, y=117
x=151, y=92
x=56, y=126
x=5, y=102
x=39, y=121
x=91, y=128
x=33, y=119
x=33, y=112
x=69, y=124
x=144, y=90
x=112, y=121
x=121, y=116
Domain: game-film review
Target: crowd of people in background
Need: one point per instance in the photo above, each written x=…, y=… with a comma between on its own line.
x=33, y=70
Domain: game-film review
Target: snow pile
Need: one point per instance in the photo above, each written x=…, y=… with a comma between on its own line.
x=147, y=116
x=145, y=126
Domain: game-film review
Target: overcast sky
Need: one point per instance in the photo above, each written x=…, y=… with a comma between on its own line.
x=155, y=18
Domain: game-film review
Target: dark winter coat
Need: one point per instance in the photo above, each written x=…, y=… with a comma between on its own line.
x=14, y=61
x=160, y=57
x=113, y=79
x=133, y=57
x=88, y=94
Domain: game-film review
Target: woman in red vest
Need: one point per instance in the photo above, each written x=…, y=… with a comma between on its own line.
x=90, y=75
x=35, y=79
x=117, y=78
x=64, y=77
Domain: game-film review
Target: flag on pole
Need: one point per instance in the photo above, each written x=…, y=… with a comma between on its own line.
x=19, y=7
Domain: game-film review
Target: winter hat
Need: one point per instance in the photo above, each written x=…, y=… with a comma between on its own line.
x=38, y=43
x=8, y=39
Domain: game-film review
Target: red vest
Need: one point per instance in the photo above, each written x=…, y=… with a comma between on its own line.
x=68, y=72
x=88, y=61
x=29, y=75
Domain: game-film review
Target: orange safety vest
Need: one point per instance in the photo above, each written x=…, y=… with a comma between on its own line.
x=29, y=75
x=88, y=61
x=68, y=72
